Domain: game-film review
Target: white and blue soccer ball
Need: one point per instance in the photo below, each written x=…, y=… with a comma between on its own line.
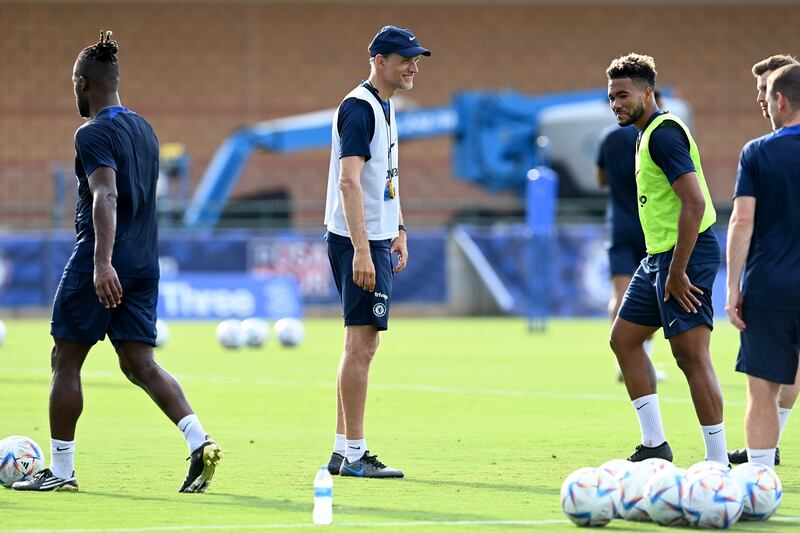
x=587, y=497
x=663, y=495
x=615, y=467
x=762, y=490
x=632, y=483
x=255, y=331
x=229, y=334
x=2, y=332
x=705, y=466
x=20, y=459
x=712, y=500
x=289, y=331
x=162, y=333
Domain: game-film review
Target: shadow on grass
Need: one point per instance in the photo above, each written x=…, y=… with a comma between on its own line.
x=258, y=502
x=531, y=489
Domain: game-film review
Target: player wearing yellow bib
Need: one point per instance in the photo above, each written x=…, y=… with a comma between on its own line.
x=671, y=288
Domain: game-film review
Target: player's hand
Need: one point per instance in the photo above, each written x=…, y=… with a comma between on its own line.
x=681, y=289
x=363, y=270
x=400, y=247
x=733, y=308
x=107, y=286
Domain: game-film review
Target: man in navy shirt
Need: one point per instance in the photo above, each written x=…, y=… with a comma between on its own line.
x=365, y=227
x=788, y=393
x=626, y=249
x=764, y=240
x=110, y=284
x=671, y=288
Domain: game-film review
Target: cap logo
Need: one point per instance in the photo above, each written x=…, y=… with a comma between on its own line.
x=412, y=37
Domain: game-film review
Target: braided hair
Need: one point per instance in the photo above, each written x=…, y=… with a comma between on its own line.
x=104, y=51
x=99, y=61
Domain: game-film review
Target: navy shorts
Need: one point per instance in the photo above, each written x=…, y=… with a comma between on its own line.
x=624, y=257
x=644, y=304
x=78, y=315
x=770, y=344
x=360, y=307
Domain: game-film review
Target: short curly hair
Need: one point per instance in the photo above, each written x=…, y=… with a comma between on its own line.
x=639, y=68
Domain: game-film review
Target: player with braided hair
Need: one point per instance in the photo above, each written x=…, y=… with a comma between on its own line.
x=110, y=283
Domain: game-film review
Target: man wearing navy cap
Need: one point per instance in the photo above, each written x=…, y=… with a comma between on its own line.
x=365, y=227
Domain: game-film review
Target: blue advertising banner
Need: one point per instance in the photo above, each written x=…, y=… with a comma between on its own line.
x=271, y=274
x=207, y=296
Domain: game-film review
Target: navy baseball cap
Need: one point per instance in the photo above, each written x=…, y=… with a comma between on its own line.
x=392, y=39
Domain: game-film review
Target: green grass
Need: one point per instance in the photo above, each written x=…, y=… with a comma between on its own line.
x=485, y=419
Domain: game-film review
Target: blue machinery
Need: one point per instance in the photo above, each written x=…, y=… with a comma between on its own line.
x=495, y=145
x=494, y=137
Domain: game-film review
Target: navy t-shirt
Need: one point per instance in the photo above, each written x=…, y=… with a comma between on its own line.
x=356, y=125
x=617, y=157
x=769, y=171
x=669, y=149
x=124, y=141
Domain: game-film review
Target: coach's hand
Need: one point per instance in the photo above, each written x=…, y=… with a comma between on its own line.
x=733, y=308
x=107, y=286
x=363, y=270
x=400, y=247
x=679, y=287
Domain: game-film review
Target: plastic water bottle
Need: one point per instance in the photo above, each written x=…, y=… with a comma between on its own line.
x=323, y=497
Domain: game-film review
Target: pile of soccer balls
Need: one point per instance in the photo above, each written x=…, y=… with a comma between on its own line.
x=20, y=459
x=254, y=332
x=707, y=495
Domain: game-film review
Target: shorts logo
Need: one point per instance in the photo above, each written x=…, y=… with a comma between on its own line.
x=379, y=309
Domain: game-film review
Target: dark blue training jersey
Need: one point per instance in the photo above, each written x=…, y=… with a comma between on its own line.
x=669, y=148
x=122, y=140
x=356, y=125
x=616, y=156
x=769, y=171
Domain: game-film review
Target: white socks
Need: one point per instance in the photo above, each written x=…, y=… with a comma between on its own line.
x=355, y=449
x=192, y=431
x=62, y=458
x=764, y=457
x=649, y=420
x=339, y=444
x=714, y=437
x=783, y=417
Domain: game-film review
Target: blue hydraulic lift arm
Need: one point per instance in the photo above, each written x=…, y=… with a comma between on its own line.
x=309, y=131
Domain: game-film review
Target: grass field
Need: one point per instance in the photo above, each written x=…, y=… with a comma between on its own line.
x=485, y=419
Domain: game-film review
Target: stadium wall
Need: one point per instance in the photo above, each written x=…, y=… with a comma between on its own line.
x=197, y=70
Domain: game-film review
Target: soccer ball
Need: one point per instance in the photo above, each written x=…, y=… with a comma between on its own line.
x=631, y=485
x=229, y=334
x=2, y=332
x=712, y=500
x=662, y=497
x=162, y=333
x=615, y=467
x=587, y=497
x=703, y=466
x=255, y=331
x=20, y=459
x=289, y=331
x=762, y=490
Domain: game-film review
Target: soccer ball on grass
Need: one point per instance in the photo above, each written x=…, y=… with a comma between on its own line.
x=20, y=459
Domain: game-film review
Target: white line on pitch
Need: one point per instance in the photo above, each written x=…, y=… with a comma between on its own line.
x=417, y=523
x=432, y=389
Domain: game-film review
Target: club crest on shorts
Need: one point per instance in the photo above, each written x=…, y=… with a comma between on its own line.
x=379, y=309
